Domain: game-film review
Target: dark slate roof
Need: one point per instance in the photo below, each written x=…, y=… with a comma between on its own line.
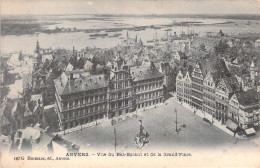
x=232, y=84
x=144, y=73
x=217, y=68
x=45, y=140
x=248, y=97
x=62, y=55
x=6, y=112
x=61, y=65
x=65, y=86
x=67, y=144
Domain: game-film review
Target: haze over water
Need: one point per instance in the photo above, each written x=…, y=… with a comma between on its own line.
x=26, y=43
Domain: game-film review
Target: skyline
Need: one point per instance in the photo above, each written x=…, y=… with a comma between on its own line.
x=135, y=7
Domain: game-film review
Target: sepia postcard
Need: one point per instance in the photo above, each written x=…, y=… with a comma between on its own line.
x=130, y=83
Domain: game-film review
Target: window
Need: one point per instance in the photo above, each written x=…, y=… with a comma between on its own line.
x=70, y=103
x=65, y=104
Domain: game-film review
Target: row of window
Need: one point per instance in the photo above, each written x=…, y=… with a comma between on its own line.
x=148, y=87
x=84, y=94
x=85, y=111
x=197, y=87
x=209, y=89
x=150, y=103
x=119, y=85
x=87, y=100
x=148, y=95
x=147, y=81
x=208, y=96
x=82, y=121
x=197, y=94
x=119, y=104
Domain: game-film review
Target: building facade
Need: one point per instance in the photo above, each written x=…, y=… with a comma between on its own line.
x=224, y=90
x=209, y=94
x=242, y=107
x=187, y=88
x=84, y=99
x=119, y=89
x=179, y=86
x=197, y=87
x=147, y=86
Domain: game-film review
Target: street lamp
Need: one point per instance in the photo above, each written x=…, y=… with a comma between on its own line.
x=115, y=138
x=176, y=121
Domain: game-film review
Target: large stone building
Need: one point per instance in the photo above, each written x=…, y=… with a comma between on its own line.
x=242, y=108
x=80, y=100
x=197, y=87
x=147, y=86
x=227, y=98
x=184, y=87
x=119, y=89
x=224, y=90
x=84, y=99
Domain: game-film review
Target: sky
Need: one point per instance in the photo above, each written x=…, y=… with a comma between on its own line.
x=52, y=7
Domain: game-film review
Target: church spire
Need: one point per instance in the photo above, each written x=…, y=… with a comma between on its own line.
x=37, y=49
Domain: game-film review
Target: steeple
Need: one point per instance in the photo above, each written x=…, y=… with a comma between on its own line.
x=252, y=73
x=127, y=36
x=136, y=38
x=37, y=48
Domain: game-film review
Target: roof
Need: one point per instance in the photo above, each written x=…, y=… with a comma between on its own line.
x=6, y=111
x=88, y=65
x=62, y=142
x=248, y=97
x=31, y=133
x=45, y=140
x=65, y=86
x=216, y=67
x=231, y=84
x=144, y=73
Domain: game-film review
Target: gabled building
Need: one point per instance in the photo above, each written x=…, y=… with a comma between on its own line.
x=197, y=87
x=242, y=108
x=119, y=89
x=209, y=85
x=88, y=65
x=224, y=91
x=187, y=87
x=179, y=86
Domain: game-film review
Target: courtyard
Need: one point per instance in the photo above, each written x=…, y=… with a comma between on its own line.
x=160, y=124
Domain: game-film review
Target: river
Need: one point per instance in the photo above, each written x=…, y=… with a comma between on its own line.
x=26, y=43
